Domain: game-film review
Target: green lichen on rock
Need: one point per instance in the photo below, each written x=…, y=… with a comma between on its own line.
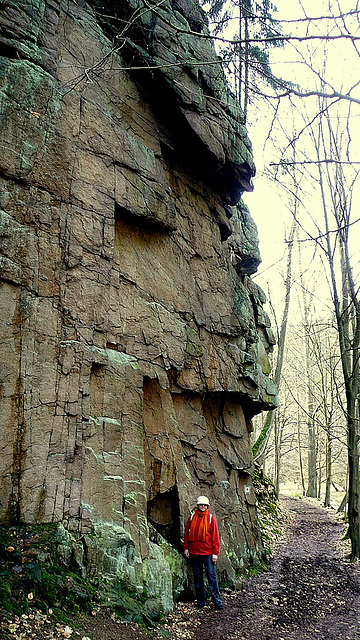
x=268, y=509
x=244, y=312
x=175, y=564
x=29, y=102
x=41, y=567
x=244, y=241
x=158, y=577
x=193, y=347
x=112, y=555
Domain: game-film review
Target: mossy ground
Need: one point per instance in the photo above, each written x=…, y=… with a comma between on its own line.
x=33, y=578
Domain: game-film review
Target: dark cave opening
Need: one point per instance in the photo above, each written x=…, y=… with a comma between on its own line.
x=163, y=515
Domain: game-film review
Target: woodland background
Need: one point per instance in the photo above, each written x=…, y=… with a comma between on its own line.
x=293, y=67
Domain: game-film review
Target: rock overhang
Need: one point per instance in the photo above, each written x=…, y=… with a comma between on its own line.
x=172, y=57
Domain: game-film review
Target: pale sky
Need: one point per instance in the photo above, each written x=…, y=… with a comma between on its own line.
x=267, y=203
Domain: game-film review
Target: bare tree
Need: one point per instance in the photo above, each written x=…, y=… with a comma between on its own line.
x=310, y=413
x=259, y=447
x=335, y=182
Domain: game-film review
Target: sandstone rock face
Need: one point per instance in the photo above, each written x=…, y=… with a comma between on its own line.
x=133, y=341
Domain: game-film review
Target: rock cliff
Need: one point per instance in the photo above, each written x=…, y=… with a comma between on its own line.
x=133, y=350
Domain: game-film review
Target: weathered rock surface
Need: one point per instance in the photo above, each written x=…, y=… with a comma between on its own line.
x=133, y=343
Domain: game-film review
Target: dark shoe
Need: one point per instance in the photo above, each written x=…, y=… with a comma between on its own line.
x=200, y=605
x=219, y=606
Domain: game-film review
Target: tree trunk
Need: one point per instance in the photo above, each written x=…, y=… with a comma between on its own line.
x=328, y=463
x=319, y=473
x=300, y=458
x=343, y=503
x=312, y=455
x=312, y=444
x=259, y=447
x=277, y=449
x=246, y=60
x=349, y=340
x=353, y=505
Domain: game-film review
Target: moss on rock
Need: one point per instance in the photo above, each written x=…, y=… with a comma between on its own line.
x=39, y=570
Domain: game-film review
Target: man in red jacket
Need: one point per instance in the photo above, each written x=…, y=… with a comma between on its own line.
x=202, y=546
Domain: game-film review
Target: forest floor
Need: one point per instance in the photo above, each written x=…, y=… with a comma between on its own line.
x=310, y=592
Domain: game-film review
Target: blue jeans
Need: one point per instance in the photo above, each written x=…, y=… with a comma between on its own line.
x=198, y=564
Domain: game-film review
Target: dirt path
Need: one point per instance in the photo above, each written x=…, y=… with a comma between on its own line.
x=309, y=593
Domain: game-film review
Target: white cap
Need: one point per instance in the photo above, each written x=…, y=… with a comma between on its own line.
x=203, y=500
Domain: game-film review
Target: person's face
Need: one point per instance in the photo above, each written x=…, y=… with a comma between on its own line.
x=202, y=507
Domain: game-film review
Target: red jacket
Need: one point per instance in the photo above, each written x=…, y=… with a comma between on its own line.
x=207, y=547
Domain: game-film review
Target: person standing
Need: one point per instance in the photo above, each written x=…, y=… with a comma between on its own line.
x=202, y=546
